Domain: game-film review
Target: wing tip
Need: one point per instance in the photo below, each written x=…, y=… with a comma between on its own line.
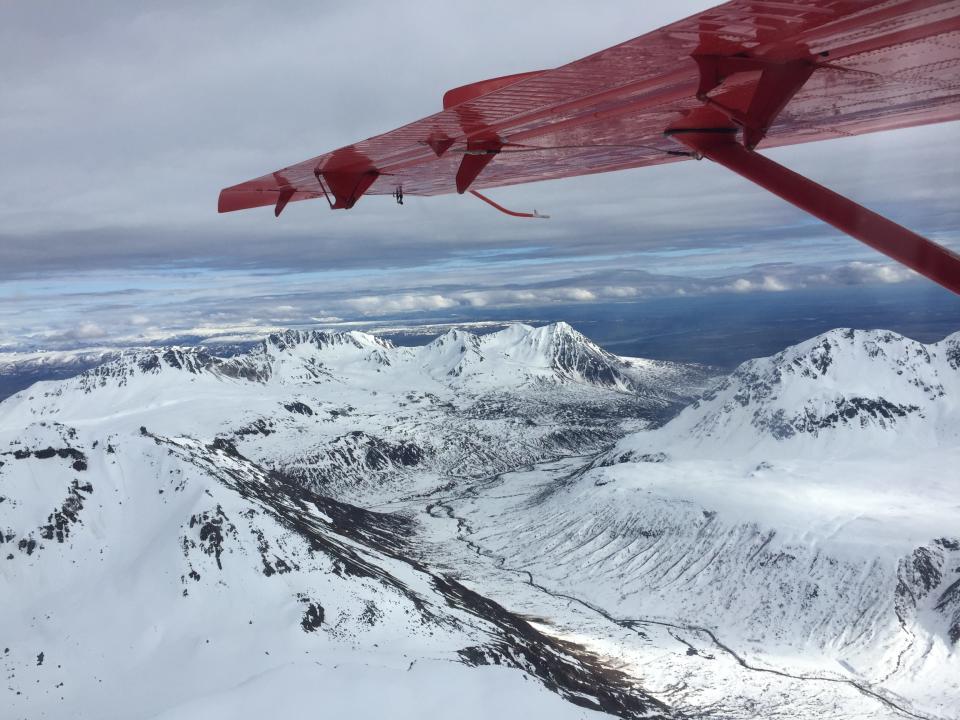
x=223, y=206
x=462, y=94
x=239, y=197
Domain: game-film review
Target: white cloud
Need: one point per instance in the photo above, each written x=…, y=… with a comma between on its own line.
x=772, y=284
x=88, y=330
x=620, y=292
x=876, y=272
x=377, y=304
x=247, y=307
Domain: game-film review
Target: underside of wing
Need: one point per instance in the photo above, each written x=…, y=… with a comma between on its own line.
x=858, y=66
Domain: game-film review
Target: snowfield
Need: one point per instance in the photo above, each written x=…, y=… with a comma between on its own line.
x=518, y=524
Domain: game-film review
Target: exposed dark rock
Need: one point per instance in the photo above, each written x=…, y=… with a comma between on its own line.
x=312, y=617
x=566, y=668
x=657, y=457
x=299, y=408
x=855, y=407
x=953, y=353
x=357, y=457
x=212, y=526
x=149, y=363
x=371, y=614
x=926, y=569
x=226, y=446
x=27, y=545
x=261, y=426
x=59, y=521
x=79, y=459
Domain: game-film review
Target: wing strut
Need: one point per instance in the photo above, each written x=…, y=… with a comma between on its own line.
x=915, y=251
x=711, y=131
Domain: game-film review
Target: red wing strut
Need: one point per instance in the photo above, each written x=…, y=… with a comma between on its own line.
x=743, y=75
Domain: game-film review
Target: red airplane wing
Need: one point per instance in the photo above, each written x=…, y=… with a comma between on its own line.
x=745, y=73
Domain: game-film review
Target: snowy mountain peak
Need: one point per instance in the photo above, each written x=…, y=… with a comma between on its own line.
x=837, y=352
x=511, y=333
x=321, y=339
x=572, y=356
x=850, y=388
x=865, y=362
x=551, y=337
x=153, y=361
x=454, y=335
x=950, y=347
x=453, y=341
x=521, y=353
x=561, y=329
x=451, y=353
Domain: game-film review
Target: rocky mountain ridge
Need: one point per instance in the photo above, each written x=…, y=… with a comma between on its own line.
x=837, y=392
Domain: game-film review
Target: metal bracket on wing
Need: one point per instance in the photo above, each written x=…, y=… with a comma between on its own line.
x=439, y=143
x=282, y=199
x=476, y=157
x=778, y=83
x=345, y=186
x=504, y=210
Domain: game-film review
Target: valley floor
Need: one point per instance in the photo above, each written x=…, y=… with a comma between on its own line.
x=693, y=668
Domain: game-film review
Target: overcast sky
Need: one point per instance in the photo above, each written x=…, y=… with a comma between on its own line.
x=120, y=122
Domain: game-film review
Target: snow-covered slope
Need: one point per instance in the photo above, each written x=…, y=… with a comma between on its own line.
x=842, y=392
x=330, y=520
x=806, y=511
x=161, y=576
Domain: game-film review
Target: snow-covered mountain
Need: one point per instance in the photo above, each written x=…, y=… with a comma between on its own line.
x=807, y=508
x=350, y=409
x=518, y=523
x=167, y=577
x=517, y=355
x=840, y=392
x=20, y=370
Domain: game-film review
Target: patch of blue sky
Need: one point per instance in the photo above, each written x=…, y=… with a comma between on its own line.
x=164, y=280
x=498, y=252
